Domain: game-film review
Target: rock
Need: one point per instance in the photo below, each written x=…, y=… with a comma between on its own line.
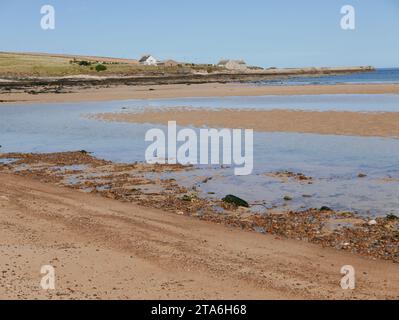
x=186, y=198
x=189, y=197
x=372, y=222
x=287, y=198
x=325, y=208
x=362, y=175
x=391, y=217
x=347, y=214
x=235, y=200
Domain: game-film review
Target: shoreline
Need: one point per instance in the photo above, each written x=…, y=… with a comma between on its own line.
x=45, y=222
x=117, y=93
x=131, y=183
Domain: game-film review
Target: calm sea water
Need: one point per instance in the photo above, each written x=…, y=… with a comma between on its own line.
x=338, y=102
x=390, y=75
x=333, y=161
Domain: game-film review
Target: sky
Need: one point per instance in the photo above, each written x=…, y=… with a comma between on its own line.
x=268, y=33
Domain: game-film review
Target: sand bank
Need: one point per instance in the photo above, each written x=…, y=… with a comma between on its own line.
x=98, y=93
x=384, y=124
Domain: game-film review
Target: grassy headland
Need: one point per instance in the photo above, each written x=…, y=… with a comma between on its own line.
x=22, y=65
x=17, y=65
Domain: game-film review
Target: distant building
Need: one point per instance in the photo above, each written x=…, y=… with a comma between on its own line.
x=148, y=60
x=233, y=64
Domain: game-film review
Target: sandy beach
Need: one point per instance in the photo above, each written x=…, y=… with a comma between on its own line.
x=98, y=93
x=199, y=160
x=106, y=249
x=128, y=242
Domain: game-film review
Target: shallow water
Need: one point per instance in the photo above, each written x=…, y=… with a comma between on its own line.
x=387, y=75
x=7, y=160
x=333, y=161
x=338, y=102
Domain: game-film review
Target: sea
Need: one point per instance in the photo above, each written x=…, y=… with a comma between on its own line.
x=383, y=75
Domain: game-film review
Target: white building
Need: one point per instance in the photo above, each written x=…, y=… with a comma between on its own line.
x=148, y=60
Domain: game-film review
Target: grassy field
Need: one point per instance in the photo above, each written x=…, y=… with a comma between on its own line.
x=42, y=65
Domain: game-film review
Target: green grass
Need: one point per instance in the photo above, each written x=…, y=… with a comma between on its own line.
x=31, y=65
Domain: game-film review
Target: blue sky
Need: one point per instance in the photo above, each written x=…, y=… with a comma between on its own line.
x=281, y=33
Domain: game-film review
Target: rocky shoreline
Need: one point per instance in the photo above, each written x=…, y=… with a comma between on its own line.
x=58, y=84
x=142, y=184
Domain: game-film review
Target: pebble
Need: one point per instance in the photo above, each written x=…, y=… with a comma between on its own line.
x=372, y=223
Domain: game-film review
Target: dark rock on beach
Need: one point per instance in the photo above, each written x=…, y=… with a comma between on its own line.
x=236, y=201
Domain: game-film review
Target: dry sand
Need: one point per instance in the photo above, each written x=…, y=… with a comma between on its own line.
x=329, y=122
x=194, y=90
x=103, y=248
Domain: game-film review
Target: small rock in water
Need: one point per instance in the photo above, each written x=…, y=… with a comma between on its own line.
x=287, y=198
x=325, y=208
x=362, y=175
x=235, y=200
x=206, y=179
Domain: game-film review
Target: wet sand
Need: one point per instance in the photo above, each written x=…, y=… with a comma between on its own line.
x=98, y=93
x=141, y=184
x=106, y=249
x=381, y=124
